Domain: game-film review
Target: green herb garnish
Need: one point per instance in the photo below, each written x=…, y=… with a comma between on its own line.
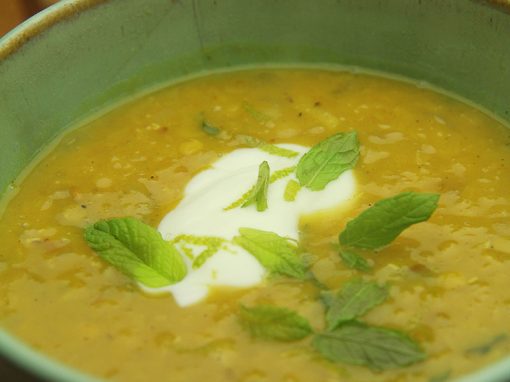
x=359, y=344
x=277, y=175
x=291, y=190
x=282, y=173
x=354, y=300
x=248, y=140
x=355, y=261
x=209, y=129
x=380, y=224
x=278, y=151
x=488, y=346
x=275, y=253
x=212, y=245
x=327, y=160
x=258, y=195
x=137, y=250
x=257, y=115
x=275, y=323
x=239, y=202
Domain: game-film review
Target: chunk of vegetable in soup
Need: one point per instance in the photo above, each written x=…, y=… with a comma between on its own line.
x=399, y=274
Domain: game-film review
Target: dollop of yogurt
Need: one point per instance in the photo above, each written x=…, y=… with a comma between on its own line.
x=202, y=212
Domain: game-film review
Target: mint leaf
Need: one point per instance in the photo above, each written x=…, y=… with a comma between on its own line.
x=274, y=252
x=258, y=194
x=355, y=261
x=327, y=160
x=355, y=299
x=359, y=344
x=210, y=129
x=380, y=224
x=271, y=322
x=137, y=250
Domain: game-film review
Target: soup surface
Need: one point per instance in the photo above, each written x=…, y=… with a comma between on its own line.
x=447, y=277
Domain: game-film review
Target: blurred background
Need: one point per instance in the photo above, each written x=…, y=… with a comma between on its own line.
x=13, y=12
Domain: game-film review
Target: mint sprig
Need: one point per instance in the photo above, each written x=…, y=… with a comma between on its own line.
x=137, y=250
x=380, y=224
x=275, y=176
x=274, y=252
x=272, y=322
x=352, y=301
x=258, y=195
x=354, y=261
x=375, y=347
x=327, y=160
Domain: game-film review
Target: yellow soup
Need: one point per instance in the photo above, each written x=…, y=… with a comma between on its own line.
x=446, y=277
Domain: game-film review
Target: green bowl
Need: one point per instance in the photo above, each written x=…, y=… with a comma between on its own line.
x=82, y=56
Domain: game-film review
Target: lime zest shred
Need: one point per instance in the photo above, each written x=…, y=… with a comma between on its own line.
x=280, y=174
x=266, y=147
x=187, y=251
x=277, y=175
x=212, y=243
x=279, y=151
x=291, y=190
x=241, y=200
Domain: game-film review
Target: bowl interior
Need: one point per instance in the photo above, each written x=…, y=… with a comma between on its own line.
x=82, y=56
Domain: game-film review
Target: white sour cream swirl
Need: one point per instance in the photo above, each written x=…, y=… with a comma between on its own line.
x=202, y=212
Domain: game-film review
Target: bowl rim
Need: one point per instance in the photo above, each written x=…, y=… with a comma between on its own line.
x=30, y=28
x=39, y=365
x=12, y=348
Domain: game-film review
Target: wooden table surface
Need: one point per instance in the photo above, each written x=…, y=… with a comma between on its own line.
x=13, y=12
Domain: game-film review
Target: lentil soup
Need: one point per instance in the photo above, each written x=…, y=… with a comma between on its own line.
x=446, y=277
